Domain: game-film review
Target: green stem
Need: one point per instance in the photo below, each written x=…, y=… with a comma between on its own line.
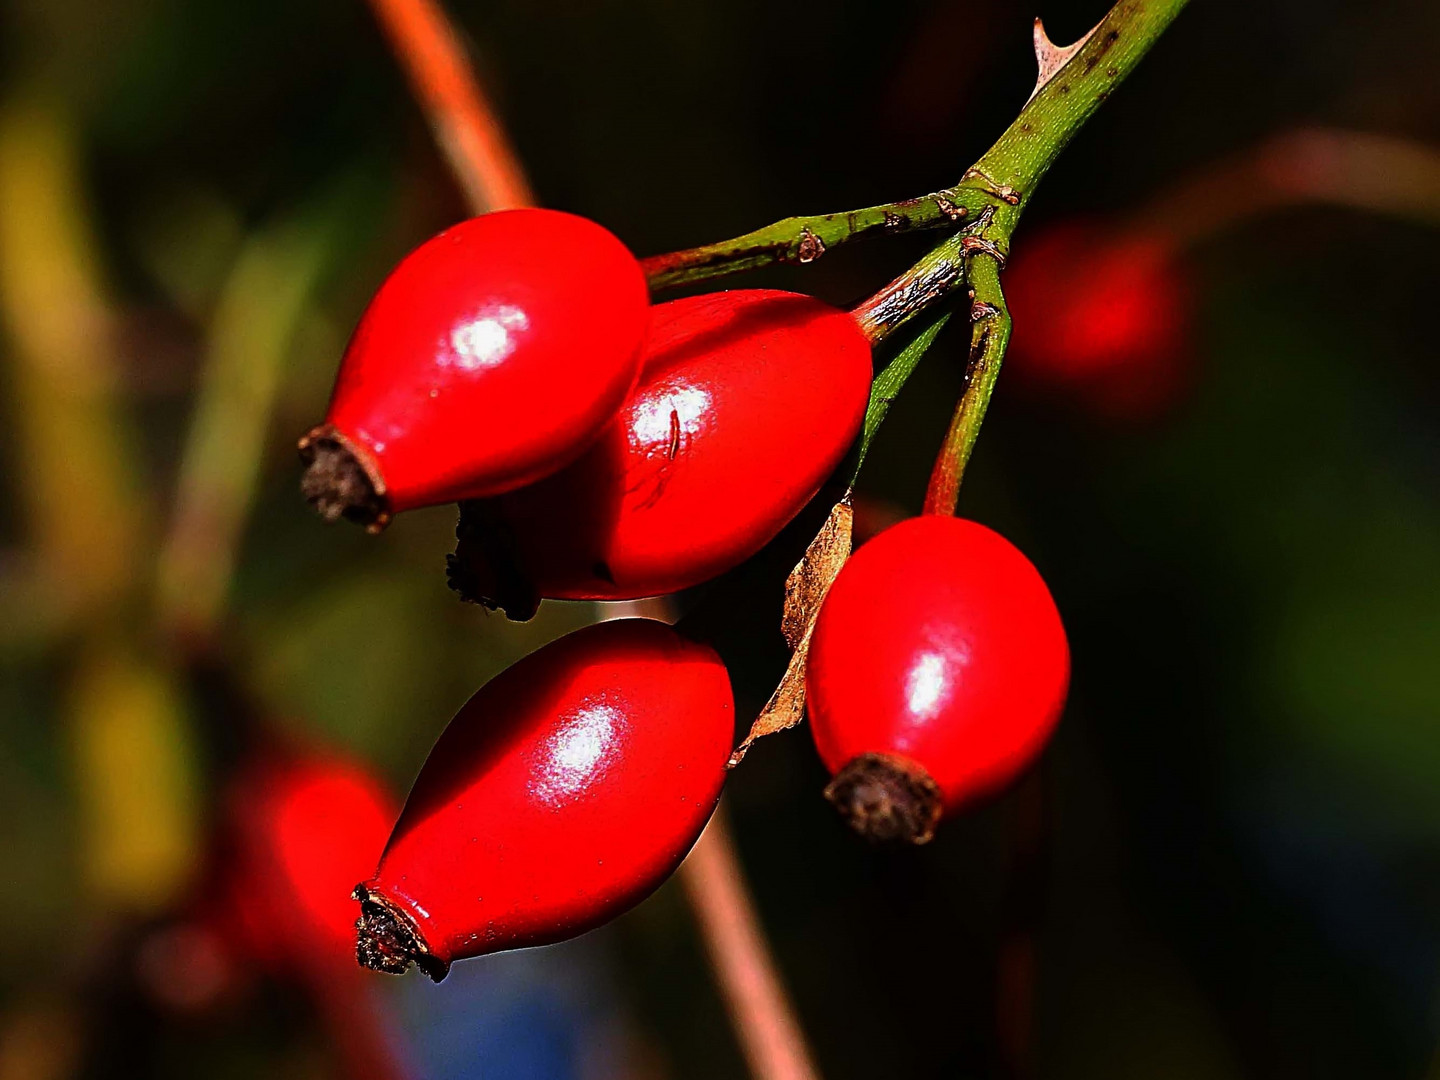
x=930, y=280
x=1003, y=179
x=989, y=334
x=801, y=239
x=1059, y=109
x=986, y=205
x=998, y=188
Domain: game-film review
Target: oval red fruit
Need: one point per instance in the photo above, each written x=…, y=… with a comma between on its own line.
x=563, y=793
x=746, y=403
x=937, y=670
x=1100, y=317
x=490, y=357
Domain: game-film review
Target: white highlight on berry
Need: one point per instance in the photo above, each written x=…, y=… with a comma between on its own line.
x=488, y=337
x=651, y=420
x=925, y=685
x=578, y=750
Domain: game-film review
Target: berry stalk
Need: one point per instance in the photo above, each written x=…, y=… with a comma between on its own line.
x=989, y=335
x=803, y=239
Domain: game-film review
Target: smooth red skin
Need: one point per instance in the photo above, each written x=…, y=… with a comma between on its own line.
x=564, y=792
x=1100, y=317
x=492, y=355
x=747, y=402
x=940, y=643
x=306, y=830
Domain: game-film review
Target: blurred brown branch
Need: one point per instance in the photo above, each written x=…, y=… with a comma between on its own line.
x=765, y=1021
x=1317, y=166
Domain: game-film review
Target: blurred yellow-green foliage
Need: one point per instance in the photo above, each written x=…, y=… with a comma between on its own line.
x=1237, y=858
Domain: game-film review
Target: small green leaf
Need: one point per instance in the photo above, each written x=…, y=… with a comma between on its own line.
x=892, y=377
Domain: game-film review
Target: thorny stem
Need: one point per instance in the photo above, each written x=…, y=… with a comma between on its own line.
x=989, y=334
x=460, y=115
x=987, y=202
x=764, y=1020
x=1004, y=179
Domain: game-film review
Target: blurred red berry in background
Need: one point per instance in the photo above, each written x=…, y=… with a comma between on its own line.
x=1101, y=318
x=303, y=831
x=296, y=830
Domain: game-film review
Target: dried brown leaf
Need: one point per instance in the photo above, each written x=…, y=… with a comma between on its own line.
x=805, y=588
x=808, y=583
x=1050, y=58
x=786, y=706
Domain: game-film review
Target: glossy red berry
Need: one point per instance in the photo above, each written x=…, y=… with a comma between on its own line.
x=491, y=357
x=937, y=670
x=563, y=793
x=1101, y=318
x=746, y=403
x=302, y=831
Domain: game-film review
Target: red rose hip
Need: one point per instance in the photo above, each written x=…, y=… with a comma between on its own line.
x=563, y=793
x=937, y=670
x=490, y=357
x=746, y=403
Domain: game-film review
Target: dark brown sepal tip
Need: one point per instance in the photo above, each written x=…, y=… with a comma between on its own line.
x=887, y=799
x=485, y=568
x=386, y=940
x=339, y=481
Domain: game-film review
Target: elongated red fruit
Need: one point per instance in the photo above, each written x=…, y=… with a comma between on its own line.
x=492, y=356
x=562, y=794
x=937, y=670
x=746, y=403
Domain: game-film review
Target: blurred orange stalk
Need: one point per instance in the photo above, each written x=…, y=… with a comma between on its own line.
x=769, y=1033
x=464, y=124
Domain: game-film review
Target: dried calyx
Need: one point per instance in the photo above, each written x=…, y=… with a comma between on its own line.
x=485, y=568
x=337, y=481
x=887, y=799
x=386, y=940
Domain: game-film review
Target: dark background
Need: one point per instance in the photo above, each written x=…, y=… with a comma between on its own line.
x=1228, y=862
